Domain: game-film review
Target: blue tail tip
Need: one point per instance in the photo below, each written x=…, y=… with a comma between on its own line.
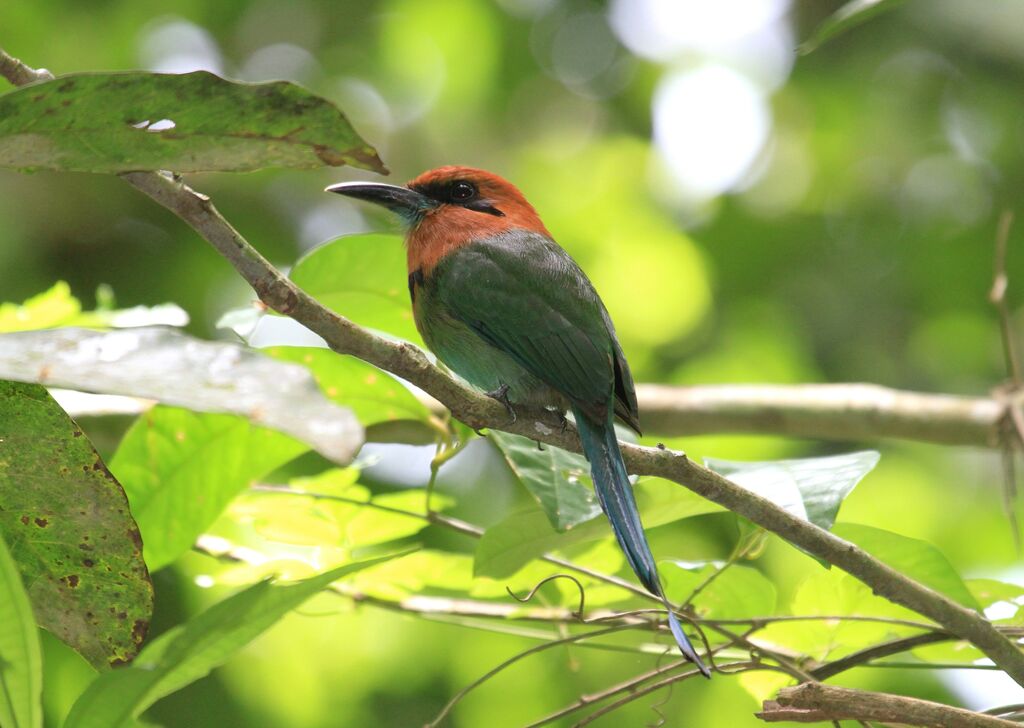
x=684, y=645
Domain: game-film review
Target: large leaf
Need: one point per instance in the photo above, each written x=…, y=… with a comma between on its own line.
x=21, y=661
x=416, y=574
x=737, y=592
x=363, y=278
x=831, y=595
x=66, y=521
x=315, y=520
x=848, y=16
x=57, y=307
x=554, y=476
x=912, y=557
x=1001, y=600
x=810, y=488
x=511, y=543
x=173, y=368
x=374, y=395
x=194, y=122
x=188, y=652
x=181, y=468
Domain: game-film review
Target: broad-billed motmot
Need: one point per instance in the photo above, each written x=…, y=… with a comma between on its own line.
x=506, y=308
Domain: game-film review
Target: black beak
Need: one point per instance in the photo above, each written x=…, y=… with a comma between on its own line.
x=408, y=203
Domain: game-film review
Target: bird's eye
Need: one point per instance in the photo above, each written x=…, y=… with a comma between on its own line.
x=462, y=191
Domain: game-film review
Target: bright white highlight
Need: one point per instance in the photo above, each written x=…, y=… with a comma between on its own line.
x=723, y=59
x=174, y=45
x=751, y=36
x=709, y=126
x=659, y=29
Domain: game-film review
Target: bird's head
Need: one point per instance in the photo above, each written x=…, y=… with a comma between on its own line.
x=448, y=207
x=473, y=196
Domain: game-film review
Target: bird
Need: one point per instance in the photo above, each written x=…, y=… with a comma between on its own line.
x=508, y=310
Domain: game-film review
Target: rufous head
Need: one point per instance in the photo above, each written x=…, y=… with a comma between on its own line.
x=455, y=193
x=448, y=207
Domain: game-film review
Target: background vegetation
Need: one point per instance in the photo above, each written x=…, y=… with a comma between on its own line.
x=748, y=215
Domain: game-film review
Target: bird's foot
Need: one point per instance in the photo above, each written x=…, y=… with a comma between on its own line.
x=559, y=414
x=501, y=394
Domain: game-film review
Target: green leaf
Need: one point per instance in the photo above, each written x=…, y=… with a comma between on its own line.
x=737, y=592
x=193, y=122
x=21, y=661
x=306, y=520
x=374, y=395
x=554, y=476
x=180, y=469
x=173, y=368
x=810, y=488
x=374, y=526
x=833, y=594
x=1009, y=597
x=846, y=17
x=917, y=559
x=416, y=573
x=363, y=278
x=67, y=524
x=190, y=651
x=527, y=534
x=44, y=310
x=57, y=307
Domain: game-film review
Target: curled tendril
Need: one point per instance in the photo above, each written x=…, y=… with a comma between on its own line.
x=583, y=594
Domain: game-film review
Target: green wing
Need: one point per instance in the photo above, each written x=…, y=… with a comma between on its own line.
x=523, y=294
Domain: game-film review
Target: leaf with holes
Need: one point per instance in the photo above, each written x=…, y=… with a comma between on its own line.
x=67, y=524
x=180, y=469
x=361, y=277
x=554, y=477
x=192, y=122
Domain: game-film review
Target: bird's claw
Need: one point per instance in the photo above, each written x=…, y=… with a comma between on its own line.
x=559, y=414
x=501, y=394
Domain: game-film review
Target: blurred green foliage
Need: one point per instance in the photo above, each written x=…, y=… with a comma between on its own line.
x=855, y=246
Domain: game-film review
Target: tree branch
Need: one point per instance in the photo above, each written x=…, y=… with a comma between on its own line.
x=893, y=647
x=479, y=411
x=814, y=702
x=824, y=411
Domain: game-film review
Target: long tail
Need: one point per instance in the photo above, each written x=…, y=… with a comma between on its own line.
x=615, y=493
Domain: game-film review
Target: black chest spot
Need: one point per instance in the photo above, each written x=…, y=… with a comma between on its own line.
x=415, y=279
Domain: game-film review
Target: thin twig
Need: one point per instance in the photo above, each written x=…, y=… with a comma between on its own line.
x=1000, y=283
x=450, y=609
x=460, y=526
x=861, y=657
x=479, y=411
x=583, y=592
x=514, y=659
x=729, y=669
x=1013, y=429
x=761, y=622
x=738, y=552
